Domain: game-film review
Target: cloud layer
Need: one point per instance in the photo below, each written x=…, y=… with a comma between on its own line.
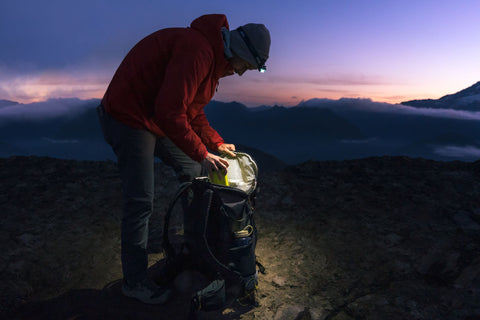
x=367, y=105
x=43, y=110
x=78, y=82
x=459, y=152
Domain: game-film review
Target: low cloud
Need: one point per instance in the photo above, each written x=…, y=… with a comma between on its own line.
x=64, y=141
x=442, y=113
x=43, y=110
x=83, y=82
x=367, y=105
x=458, y=152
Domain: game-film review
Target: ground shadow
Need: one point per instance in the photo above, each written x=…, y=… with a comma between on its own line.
x=109, y=303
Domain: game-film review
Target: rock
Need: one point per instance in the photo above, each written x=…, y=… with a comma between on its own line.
x=342, y=316
x=318, y=314
x=287, y=201
x=279, y=281
x=292, y=312
x=394, y=238
x=470, y=276
x=465, y=222
x=27, y=239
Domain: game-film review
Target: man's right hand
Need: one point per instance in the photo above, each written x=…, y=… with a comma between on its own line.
x=214, y=163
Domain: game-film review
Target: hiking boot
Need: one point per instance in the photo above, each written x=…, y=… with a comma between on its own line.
x=147, y=292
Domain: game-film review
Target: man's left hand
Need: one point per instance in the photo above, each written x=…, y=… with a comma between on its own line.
x=227, y=148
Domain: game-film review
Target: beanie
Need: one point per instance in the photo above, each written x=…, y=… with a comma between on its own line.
x=259, y=37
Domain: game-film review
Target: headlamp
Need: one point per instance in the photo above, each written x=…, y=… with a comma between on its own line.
x=260, y=62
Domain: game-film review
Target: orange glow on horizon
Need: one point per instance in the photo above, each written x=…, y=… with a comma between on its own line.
x=49, y=85
x=249, y=90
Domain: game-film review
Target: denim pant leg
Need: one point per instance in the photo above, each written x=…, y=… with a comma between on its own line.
x=134, y=149
x=185, y=168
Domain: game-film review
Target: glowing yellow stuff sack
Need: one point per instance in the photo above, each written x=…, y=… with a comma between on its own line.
x=241, y=173
x=220, y=177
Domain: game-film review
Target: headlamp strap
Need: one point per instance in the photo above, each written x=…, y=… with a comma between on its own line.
x=260, y=62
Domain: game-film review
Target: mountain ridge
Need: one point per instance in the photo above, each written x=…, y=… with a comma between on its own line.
x=7, y=103
x=316, y=129
x=466, y=99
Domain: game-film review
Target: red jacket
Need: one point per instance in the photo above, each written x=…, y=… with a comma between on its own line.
x=166, y=80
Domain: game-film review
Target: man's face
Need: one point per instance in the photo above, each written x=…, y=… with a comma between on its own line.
x=240, y=66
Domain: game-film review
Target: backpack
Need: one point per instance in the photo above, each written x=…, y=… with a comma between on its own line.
x=218, y=236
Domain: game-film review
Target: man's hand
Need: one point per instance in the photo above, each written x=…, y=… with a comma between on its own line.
x=214, y=163
x=227, y=148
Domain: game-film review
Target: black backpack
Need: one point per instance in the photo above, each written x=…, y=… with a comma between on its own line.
x=219, y=236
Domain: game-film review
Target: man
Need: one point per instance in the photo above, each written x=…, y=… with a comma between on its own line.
x=154, y=107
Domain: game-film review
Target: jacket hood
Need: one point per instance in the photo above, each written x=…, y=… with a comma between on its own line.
x=210, y=26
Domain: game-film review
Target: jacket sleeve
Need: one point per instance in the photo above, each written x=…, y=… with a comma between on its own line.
x=209, y=136
x=184, y=73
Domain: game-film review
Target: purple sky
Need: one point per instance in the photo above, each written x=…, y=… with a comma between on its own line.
x=386, y=50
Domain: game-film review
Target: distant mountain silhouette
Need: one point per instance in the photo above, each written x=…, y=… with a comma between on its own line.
x=37, y=120
x=83, y=126
x=467, y=99
x=286, y=124
x=266, y=162
x=79, y=136
x=292, y=134
x=6, y=103
x=6, y=149
x=425, y=147
x=396, y=130
x=317, y=129
x=86, y=127
x=28, y=128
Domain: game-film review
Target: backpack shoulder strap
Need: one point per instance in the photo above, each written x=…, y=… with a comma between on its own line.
x=184, y=187
x=203, y=246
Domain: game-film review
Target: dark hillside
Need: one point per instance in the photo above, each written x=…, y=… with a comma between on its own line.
x=376, y=238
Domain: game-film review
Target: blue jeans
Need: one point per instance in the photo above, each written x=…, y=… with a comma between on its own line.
x=135, y=150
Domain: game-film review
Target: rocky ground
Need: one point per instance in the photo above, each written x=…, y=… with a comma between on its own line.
x=377, y=238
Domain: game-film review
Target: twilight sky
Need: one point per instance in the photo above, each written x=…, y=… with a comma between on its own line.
x=386, y=50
